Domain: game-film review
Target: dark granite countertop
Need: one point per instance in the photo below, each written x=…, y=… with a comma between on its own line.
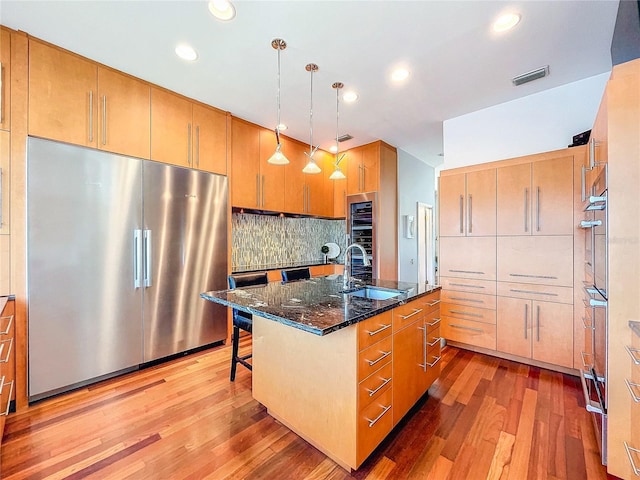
x=316, y=305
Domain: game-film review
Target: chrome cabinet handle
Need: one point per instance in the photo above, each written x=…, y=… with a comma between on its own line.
x=415, y=312
x=526, y=209
x=587, y=327
x=583, y=183
x=590, y=405
x=381, y=329
x=592, y=153
x=531, y=292
x=6, y=412
x=460, y=312
x=257, y=190
x=423, y=365
x=1, y=96
x=590, y=223
x=460, y=299
x=137, y=257
x=632, y=353
x=198, y=146
x=435, y=302
x=90, y=115
x=537, y=209
x=586, y=364
x=538, y=323
x=375, y=420
x=631, y=386
x=380, y=358
x=189, y=144
x=524, y=275
x=263, y=183
x=435, y=322
x=526, y=314
x=479, y=330
x=380, y=387
x=461, y=214
x=10, y=343
x=104, y=120
x=8, y=327
x=147, y=258
x=467, y=271
x=464, y=285
x=437, y=359
x=435, y=342
x=469, y=213
x=633, y=464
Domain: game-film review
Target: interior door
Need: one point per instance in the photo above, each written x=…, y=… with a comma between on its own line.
x=185, y=251
x=85, y=309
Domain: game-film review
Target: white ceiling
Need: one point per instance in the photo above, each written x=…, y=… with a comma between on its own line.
x=457, y=64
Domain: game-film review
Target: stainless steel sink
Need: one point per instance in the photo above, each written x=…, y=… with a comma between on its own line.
x=376, y=293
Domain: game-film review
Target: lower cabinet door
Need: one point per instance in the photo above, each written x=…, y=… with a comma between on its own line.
x=552, y=333
x=408, y=355
x=514, y=326
x=374, y=424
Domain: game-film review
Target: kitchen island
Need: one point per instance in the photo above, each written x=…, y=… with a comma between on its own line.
x=341, y=369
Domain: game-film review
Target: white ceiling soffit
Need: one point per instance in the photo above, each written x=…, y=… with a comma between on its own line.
x=457, y=64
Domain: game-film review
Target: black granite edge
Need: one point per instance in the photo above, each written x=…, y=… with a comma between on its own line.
x=285, y=266
x=635, y=327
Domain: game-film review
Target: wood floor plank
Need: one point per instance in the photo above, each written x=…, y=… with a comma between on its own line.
x=522, y=446
x=441, y=469
x=501, y=460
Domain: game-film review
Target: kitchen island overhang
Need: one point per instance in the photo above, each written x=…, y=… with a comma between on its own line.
x=340, y=378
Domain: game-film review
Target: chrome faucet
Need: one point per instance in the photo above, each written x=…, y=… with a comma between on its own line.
x=346, y=276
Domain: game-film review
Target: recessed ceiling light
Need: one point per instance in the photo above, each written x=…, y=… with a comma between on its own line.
x=282, y=127
x=399, y=74
x=333, y=149
x=222, y=10
x=186, y=52
x=350, y=97
x=506, y=22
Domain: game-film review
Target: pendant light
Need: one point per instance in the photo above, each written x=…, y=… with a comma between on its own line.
x=312, y=166
x=278, y=157
x=337, y=173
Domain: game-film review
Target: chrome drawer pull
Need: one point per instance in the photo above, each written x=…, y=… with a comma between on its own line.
x=415, y=312
x=632, y=353
x=434, y=342
x=6, y=330
x=524, y=275
x=590, y=405
x=478, y=315
x=435, y=361
x=381, y=329
x=376, y=390
x=479, y=330
x=436, y=321
x=531, y=292
x=382, y=357
x=6, y=411
x=631, y=386
x=435, y=302
x=460, y=299
x=467, y=271
x=633, y=464
x=465, y=285
x=375, y=420
x=587, y=327
x=590, y=223
x=4, y=343
x=584, y=363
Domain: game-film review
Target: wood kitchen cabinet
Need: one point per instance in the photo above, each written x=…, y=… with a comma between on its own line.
x=5, y=79
x=536, y=198
x=171, y=128
x=5, y=175
x=542, y=331
x=210, y=139
x=468, y=203
x=272, y=184
x=468, y=257
x=245, y=164
x=295, y=194
x=363, y=168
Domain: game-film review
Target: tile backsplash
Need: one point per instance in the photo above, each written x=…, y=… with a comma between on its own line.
x=263, y=241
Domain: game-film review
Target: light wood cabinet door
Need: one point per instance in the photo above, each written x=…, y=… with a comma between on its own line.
x=353, y=159
x=514, y=326
x=452, y=196
x=245, y=164
x=209, y=139
x=514, y=200
x=340, y=188
x=5, y=265
x=171, y=129
x=5, y=175
x=326, y=164
x=124, y=107
x=272, y=176
x=315, y=192
x=468, y=257
x=480, y=203
x=552, y=191
x=552, y=333
x=5, y=80
x=63, y=96
x=295, y=189
x=408, y=355
x=370, y=167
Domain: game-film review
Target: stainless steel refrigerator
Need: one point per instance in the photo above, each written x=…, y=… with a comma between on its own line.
x=118, y=251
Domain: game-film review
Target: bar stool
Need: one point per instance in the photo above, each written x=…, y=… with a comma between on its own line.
x=295, y=274
x=242, y=320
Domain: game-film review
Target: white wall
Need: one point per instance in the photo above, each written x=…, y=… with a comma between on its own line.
x=540, y=122
x=416, y=183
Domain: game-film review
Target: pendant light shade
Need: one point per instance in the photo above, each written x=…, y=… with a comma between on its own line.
x=311, y=166
x=278, y=157
x=337, y=173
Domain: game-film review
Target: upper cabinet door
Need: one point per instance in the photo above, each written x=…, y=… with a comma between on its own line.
x=171, y=129
x=552, y=191
x=245, y=164
x=63, y=96
x=5, y=80
x=480, y=203
x=353, y=159
x=326, y=163
x=209, y=139
x=123, y=120
x=452, y=201
x=272, y=176
x=370, y=167
x=295, y=192
x=514, y=200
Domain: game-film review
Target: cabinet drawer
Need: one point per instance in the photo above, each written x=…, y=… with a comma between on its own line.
x=468, y=313
x=547, y=293
x=407, y=314
x=468, y=257
x=374, y=357
x=374, y=329
x=469, y=332
x=471, y=299
x=430, y=302
x=6, y=392
x=433, y=343
x=374, y=423
x=432, y=320
x=374, y=385
x=487, y=287
x=537, y=259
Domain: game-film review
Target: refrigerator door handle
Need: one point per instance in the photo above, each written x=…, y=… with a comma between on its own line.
x=147, y=258
x=137, y=257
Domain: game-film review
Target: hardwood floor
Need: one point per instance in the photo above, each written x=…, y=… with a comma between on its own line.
x=484, y=418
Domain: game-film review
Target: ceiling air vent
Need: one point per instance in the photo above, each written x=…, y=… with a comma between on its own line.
x=531, y=76
x=344, y=138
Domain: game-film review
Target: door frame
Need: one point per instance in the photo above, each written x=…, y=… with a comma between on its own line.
x=426, y=240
